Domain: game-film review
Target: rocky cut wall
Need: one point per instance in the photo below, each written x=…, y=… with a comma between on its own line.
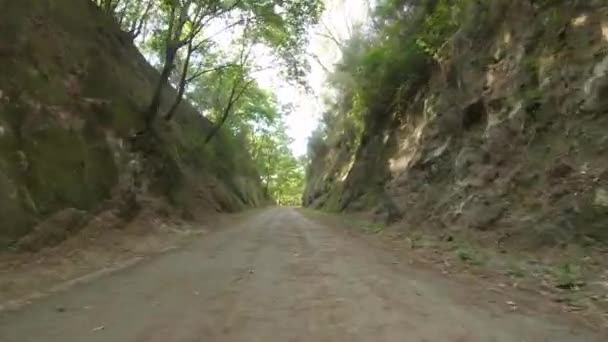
x=72, y=92
x=509, y=135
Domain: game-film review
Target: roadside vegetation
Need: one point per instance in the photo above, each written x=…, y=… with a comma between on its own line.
x=384, y=62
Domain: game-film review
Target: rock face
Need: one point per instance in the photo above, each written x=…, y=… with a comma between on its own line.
x=72, y=94
x=517, y=144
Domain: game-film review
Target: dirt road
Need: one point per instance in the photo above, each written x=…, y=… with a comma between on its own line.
x=278, y=276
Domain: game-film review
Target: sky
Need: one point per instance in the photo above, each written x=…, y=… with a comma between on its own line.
x=338, y=18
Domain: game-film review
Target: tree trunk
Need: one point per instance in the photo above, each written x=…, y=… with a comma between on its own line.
x=152, y=111
x=215, y=129
x=234, y=96
x=182, y=84
x=138, y=24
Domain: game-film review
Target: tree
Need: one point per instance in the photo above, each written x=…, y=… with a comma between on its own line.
x=207, y=63
x=219, y=78
x=279, y=24
x=133, y=15
x=183, y=20
x=108, y=6
x=239, y=86
x=223, y=91
x=282, y=173
x=184, y=33
x=382, y=65
x=255, y=115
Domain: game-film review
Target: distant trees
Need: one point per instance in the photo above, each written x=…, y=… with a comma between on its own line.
x=282, y=173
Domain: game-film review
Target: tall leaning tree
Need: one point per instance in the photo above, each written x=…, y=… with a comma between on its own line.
x=188, y=26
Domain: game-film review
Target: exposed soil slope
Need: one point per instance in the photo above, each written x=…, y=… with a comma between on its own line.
x=506, y=140
x=499, y=159
x=72, y=92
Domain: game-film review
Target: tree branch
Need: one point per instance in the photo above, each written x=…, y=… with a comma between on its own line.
x=318, y=60
x=199, y=72
x=232, y=99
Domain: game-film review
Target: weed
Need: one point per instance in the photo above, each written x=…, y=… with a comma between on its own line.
x=516, y=270
x=566, y=276
x=469, y=255
x=7, y=245
x=373, y=228
x=415, y=240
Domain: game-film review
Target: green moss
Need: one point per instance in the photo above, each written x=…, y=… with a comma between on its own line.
x=67, y=170
x=15, y=219
x=332, y=203
x=531, y=66
x=533, y=95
